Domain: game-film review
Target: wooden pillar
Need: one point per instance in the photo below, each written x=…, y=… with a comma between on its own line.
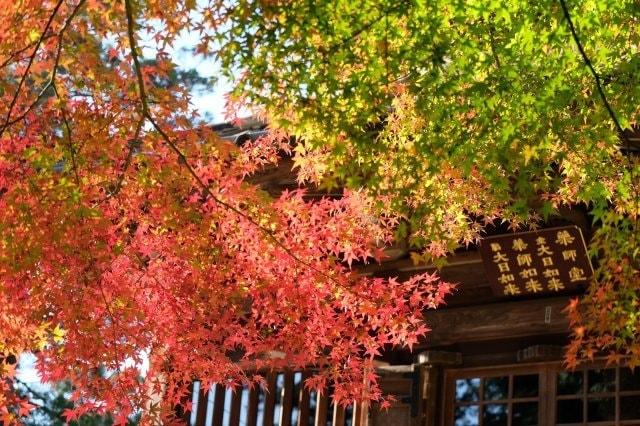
x=269, y=400
x=430, y=376
x=218, y=405
x=236, y=400
x=252, y=413
x=338, y=415
x=287, y=399
x=360, y=414
x=322, y=404
x=201, y=414
x=431, y=365
x=303, y=402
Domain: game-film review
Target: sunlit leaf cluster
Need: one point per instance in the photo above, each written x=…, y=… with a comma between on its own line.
x=455, y=115
x=135, y=257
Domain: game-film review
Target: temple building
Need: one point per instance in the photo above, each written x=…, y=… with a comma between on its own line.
x=494, y=355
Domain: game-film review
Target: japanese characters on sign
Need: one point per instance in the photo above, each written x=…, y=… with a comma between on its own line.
x=544, y=261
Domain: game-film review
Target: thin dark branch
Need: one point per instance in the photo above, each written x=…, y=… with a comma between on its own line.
x=492, y=44
x=366, y=27
x=133, y=143
x=587, y=62
x=386, y=49
x=13, y=55
x=134, y=55
x=143, y=102
x=52, y=78
x=72, y=150
x=26, y=71
x=182, y=159
x=114, y=324
x=37, y=395
x=52, y=81
x=609, y=109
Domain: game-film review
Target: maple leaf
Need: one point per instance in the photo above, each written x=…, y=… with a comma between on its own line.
x=70, y=414
x=136, y=231
x=25, y=408
x=112, y=54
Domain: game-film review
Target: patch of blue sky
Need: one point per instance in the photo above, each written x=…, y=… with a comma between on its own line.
x=207, y=100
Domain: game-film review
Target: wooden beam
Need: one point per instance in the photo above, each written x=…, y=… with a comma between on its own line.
x=201, y=413
x=397, y=386
x=218, y=405
x=406, y=264
x=236, y=400
x=360, y=414
x=252, y=412
x=269, y=400
x=303, y=402
x=338, y=415
x=497, y=321
x=287, y=399
x=439, y=358
x=322, y=404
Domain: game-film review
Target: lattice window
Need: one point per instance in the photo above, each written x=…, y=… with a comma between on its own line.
x=511, y=399
x=606, y=396
x=542, y=394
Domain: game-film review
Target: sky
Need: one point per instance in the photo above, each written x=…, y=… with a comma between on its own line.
x=209, y=101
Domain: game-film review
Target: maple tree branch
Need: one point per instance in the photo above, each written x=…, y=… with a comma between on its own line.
x=492, y=45
x=386, y=49
x=589, y=65
x=206, y=193
x=72, y=152
x=114, y=324
x=54, y=72
x=182, y=159
x=133, y=143
x=144, y=114
x=13, y=55
x=134, y=55
x=52, y=81
x=28, y=68
x=365, y=27
x=37, y=395
x=608, y=107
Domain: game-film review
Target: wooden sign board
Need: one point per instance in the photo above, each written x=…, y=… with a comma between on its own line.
x=537, y=262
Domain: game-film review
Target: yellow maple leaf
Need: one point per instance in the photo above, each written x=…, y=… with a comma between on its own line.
x=529, y=153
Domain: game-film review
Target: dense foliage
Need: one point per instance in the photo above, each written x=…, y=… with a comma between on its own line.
x=128, y=235
x=457, y=114
x=52, y=403
x=130, y=242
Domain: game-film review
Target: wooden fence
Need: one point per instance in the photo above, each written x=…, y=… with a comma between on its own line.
x=284, y=402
